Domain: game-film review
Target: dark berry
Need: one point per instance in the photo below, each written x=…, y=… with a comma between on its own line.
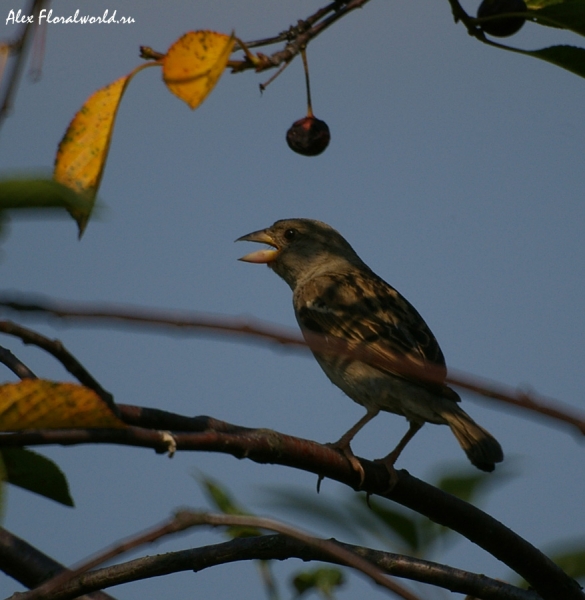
x=505, y=26
x=308, y=136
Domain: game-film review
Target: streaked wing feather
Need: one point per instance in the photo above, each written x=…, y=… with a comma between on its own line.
x=362, y=308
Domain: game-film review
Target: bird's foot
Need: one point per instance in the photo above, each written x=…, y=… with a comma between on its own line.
x=346, y=450
x=388, y=462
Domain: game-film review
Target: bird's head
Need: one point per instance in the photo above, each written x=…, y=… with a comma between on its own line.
x=300, y=249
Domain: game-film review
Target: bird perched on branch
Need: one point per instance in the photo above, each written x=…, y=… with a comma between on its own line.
x=337, y=296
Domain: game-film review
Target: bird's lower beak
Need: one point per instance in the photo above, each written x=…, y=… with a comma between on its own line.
x=266, y=255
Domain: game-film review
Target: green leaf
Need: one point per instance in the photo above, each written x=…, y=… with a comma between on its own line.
x=563, y=14
x=572, y=562
x=464, y=486
x=310, y=506
x=323, y=580
x=27, y=193
x=569, y=556
x=221, y=498
x=567, y=14
x=567, y=57
x=404, y=527
x=36, y=473
x=468, y=485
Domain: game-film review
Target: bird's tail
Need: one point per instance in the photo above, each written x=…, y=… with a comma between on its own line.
x=482, y=449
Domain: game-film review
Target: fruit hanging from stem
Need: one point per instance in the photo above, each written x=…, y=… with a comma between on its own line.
x=308, y=136
x=504, y=26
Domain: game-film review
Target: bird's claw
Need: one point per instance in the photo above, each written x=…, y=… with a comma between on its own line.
x=346, y=450
x=388, y=462
x=321, y=477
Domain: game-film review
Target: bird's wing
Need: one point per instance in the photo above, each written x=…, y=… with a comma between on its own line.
x=362, y=309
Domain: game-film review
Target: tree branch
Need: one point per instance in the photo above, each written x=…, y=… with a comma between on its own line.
x=185, y=519
x=300, y=36
x=297, y=37
x=266, y=446
x=205, y=324
x=19, y=47
x=30, y=566
x=269, y=547
x=56, y=349
x=15, y=365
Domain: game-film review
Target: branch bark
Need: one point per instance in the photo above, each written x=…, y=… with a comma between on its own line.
x=184, y=520
x=29, y=566
x=266, y=446
x=280, y=547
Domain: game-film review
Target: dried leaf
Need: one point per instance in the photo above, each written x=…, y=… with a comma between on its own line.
x=41, y=404
x=194, y=63
x=82, y=153
x=324, y=580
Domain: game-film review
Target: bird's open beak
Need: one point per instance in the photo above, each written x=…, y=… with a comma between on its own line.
x=266, y=255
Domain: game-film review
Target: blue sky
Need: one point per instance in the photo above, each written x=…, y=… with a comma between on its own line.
x=456, y=172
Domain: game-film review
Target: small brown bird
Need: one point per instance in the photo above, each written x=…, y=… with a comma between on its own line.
x=336, y=295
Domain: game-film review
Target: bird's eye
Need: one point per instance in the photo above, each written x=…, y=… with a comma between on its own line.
x=290, y=234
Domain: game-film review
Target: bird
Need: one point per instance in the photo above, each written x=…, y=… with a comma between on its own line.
x=340, y=300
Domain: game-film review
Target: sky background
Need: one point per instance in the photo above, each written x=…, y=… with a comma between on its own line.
x=456, y=172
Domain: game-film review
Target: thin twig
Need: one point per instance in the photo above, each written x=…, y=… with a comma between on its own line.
x=264, y=85
x=238, y=328
x=15, y=364
x=474, y=30
x=294, y=30
x=279, y=547
x=328, y=547
x=19, y=47
x=296, y=37
x=56, y=349
x=300, y=41
x=185, y=519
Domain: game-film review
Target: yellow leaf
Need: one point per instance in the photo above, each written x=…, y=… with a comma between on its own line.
x=195, y=62
x=82, y=152
x=41, y=404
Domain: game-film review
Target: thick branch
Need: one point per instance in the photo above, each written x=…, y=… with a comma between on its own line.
x=30, y=566
x=266, y=446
